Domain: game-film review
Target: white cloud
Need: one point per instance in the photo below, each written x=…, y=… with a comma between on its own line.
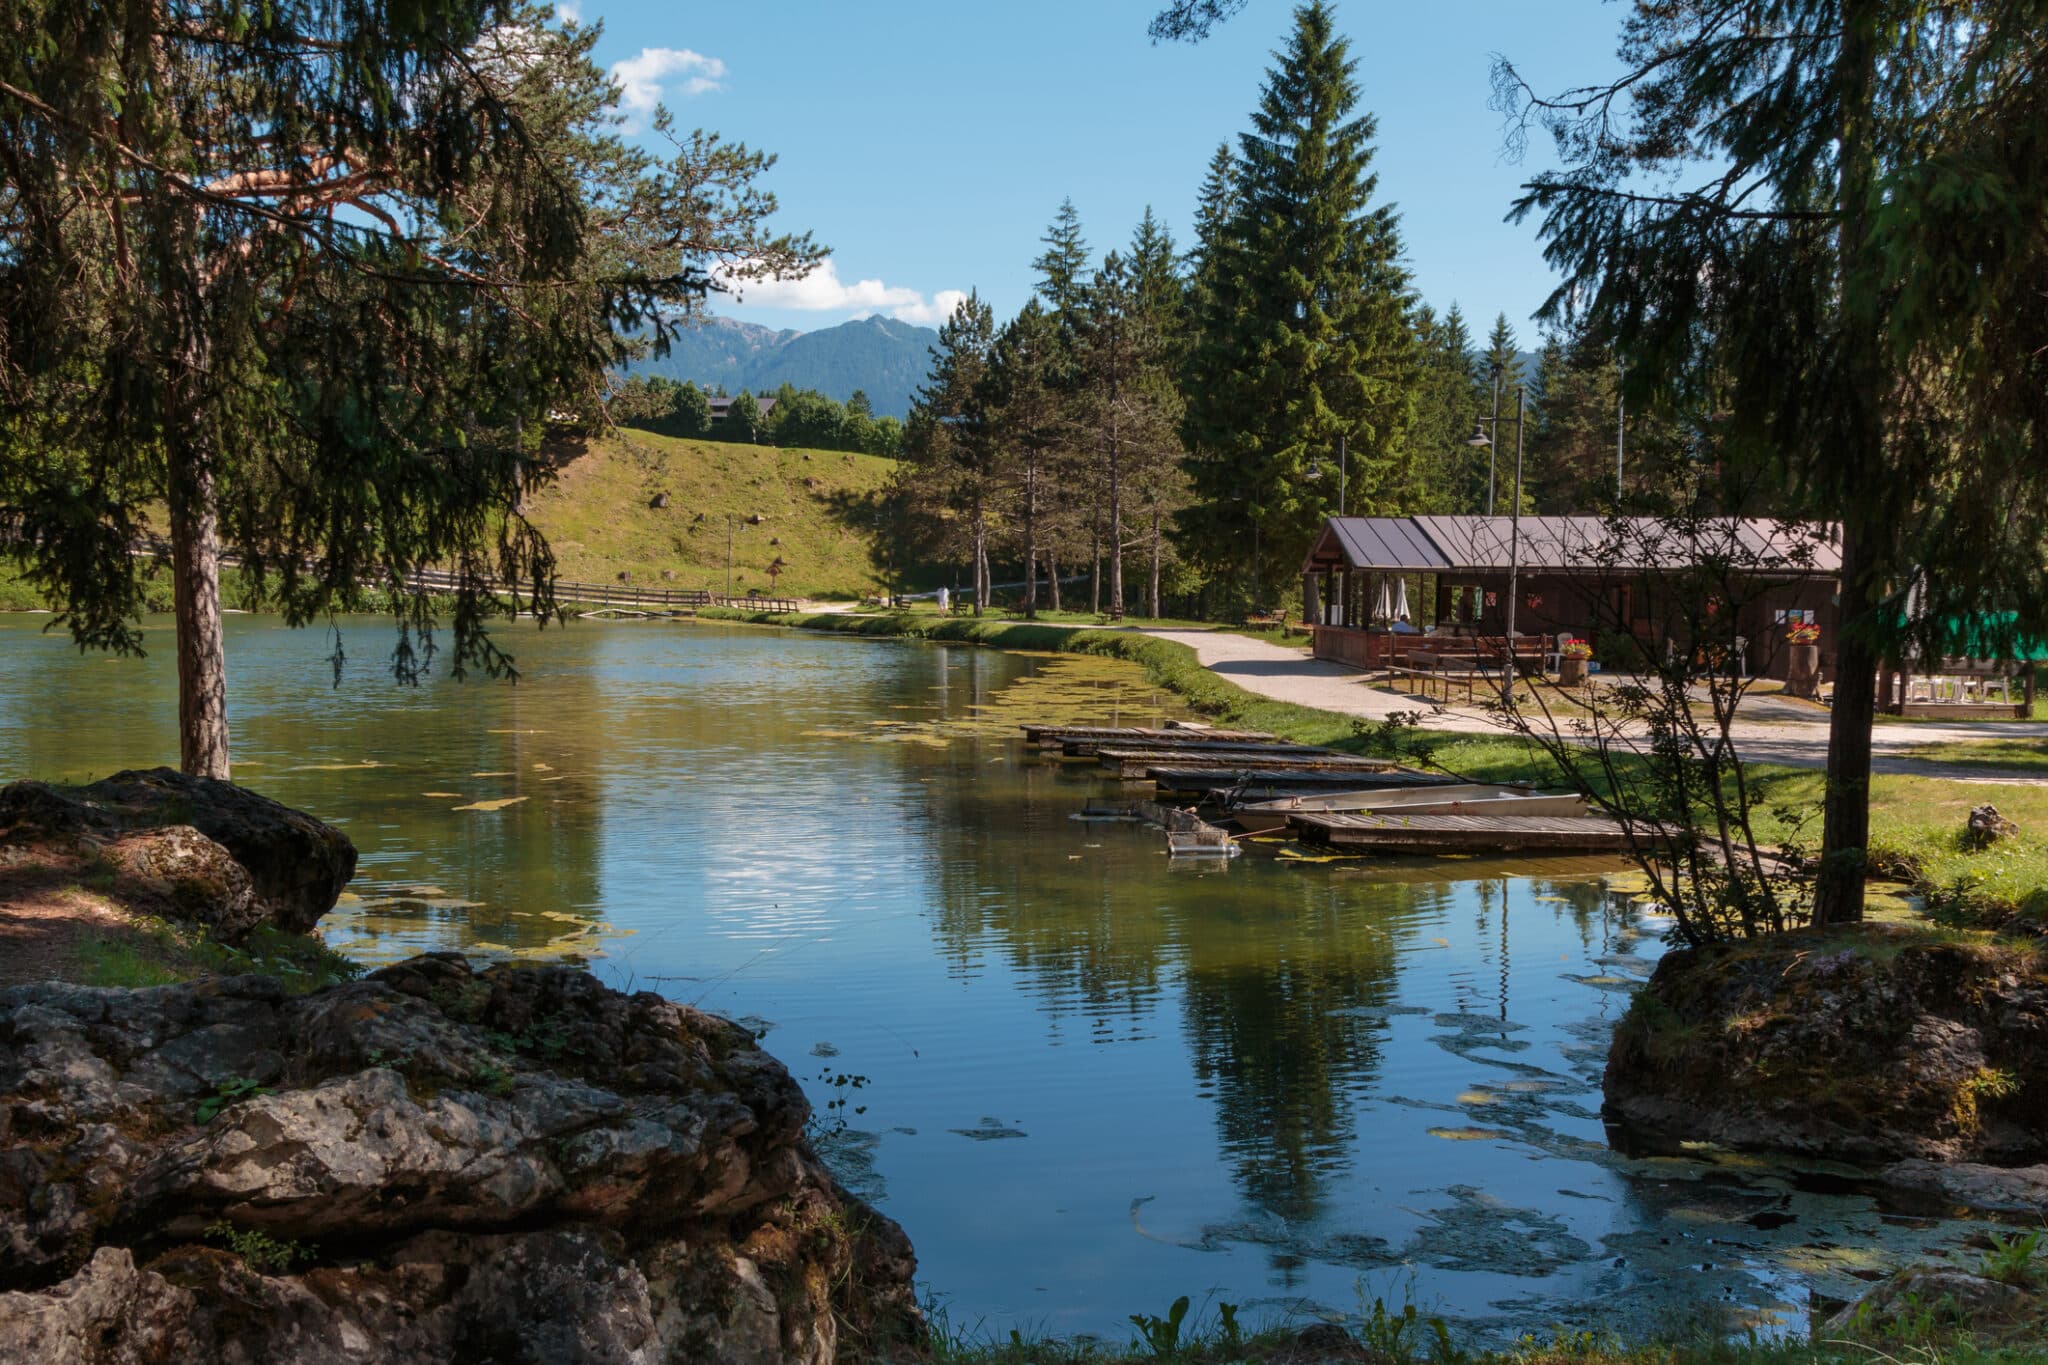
x=643, y=79
x=822, y=291
x=569, y=10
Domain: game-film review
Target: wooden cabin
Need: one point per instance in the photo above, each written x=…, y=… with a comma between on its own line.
x=1376, y=588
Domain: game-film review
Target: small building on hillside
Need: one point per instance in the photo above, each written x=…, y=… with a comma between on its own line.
x=721, y=406
x=1371, y=585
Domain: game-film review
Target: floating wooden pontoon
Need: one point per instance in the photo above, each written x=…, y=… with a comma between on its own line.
x=1399, y=832
x=1255, y=781
x=1135, y=763
x=1054, y=736
x=1259, y=816
x=1194, y=749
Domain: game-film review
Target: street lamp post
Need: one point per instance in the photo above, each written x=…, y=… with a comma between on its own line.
x=1480, y=437
x=1495, y=424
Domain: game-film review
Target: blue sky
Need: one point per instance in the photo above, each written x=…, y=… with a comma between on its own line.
x=928, y=143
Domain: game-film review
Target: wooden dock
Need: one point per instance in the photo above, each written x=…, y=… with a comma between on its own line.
x=1136, y=763
x=1258, y=783
x=1057, y=736
x=1397, y=833
x=1193, y=748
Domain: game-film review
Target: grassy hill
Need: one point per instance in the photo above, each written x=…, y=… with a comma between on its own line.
x=816, y=509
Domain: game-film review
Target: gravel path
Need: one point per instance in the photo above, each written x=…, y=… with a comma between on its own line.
x=1288, y=674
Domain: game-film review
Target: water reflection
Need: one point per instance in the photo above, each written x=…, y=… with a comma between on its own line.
x=1097, y=1080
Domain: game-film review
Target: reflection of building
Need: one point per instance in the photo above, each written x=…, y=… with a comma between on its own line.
x=1577, y=576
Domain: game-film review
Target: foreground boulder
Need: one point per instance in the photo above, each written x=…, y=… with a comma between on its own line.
x=432, y=1163
x=1871, y=1044
x=188, y=847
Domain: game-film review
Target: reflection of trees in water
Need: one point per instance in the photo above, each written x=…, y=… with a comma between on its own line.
x=1284, y=971
x=1284, y=1019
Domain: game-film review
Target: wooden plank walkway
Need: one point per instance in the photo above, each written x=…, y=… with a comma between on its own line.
x=1135, y=763
x=1193, y=748
x=1056, y=735
x=1260, y=782
x=1397, y=833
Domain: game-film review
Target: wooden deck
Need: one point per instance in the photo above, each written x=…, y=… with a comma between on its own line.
x=1136, y=763
x=1195, y=749
x=1258, y=782
x=1054, y=736
x=1398, y=833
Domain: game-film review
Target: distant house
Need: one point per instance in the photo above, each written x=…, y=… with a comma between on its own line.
x=720, y=406
x=1366, y=580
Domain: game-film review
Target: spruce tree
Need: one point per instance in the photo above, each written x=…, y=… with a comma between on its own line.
x=1304, y=335
x=1063, y=266
x=306, y=283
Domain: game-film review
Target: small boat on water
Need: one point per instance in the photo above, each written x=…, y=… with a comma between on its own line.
x=1455, y=799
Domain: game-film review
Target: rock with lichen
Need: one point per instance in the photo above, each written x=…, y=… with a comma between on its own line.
x=431, y=1163
x=1870, y=1043
x=168, y=839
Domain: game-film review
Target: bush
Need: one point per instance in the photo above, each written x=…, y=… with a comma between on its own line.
x=1618, y=652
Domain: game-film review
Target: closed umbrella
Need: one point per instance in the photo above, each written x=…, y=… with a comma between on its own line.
x=1383, y=606
x=1400, y=612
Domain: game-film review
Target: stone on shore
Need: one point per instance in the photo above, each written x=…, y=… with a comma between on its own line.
x=431, y=1163
x=191, y=848
x=1870, y=1044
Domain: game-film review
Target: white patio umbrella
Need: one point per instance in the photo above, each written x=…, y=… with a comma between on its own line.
x=1400, y=611
x=1383, y=606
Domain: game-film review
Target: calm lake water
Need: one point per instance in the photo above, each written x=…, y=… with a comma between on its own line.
x=1093, y=1078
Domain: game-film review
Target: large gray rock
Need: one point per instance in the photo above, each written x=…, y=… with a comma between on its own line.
x=293, y=866
x=431, y=1163
x=1973, y=1185
x=1871, y=1044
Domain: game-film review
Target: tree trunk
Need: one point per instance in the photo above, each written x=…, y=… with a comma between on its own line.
x=1095, y=569
x=980, y=557
x=1116, y=521
x=1845, y=827
x=195, y=592
x=1031, y=544
x=1052, y=573
x=1155, y=561
x=1857, y=437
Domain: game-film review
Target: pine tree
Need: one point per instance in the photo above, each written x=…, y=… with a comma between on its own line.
x=1444, y=475
x=1303, y=335
x=1022, y=393
x=948, y=483
x=1127, y=406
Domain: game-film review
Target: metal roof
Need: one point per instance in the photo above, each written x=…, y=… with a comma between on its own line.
x=1564, y=544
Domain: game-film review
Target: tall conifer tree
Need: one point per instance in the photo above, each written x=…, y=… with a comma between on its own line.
x=1304, y=335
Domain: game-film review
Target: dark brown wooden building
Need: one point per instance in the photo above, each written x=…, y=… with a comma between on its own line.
x=1372, y=584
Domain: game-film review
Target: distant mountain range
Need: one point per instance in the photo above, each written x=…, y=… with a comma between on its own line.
x=886, y=359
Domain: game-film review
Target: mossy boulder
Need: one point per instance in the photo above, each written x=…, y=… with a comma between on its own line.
x=1868, y=1044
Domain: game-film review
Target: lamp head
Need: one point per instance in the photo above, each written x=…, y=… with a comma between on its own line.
x=1479, y=440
